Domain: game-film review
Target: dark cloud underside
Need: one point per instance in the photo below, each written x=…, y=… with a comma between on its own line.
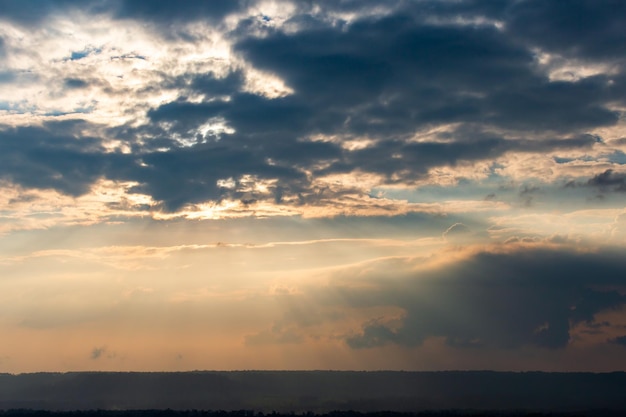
x=382, y=76
x=506, y=300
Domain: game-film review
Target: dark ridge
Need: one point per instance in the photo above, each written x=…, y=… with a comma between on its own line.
x=315, y=391
x=252, y=413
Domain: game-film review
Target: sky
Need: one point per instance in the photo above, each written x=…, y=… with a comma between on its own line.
x=365, y=185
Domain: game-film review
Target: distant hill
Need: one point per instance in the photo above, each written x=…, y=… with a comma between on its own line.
x=315, y=391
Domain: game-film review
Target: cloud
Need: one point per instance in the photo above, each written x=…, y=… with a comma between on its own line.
x=378, y=66
x=163, y=11
x=102, y=352
x=620, y=340
x=609, y=180
x=585, y=29
x=457, y=230
x=97, y=352
x=276, y=335
x=362, y=83
x=523, y=297
x=404, y=73
x=75, y=83
x=52, y=158
x=605, y=183
x=375, y=334
x=32, y=12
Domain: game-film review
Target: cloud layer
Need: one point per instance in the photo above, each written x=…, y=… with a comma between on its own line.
x=526, y=297
x=272, y=107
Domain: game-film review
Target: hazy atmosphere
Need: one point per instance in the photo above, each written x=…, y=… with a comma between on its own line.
x=364, y=185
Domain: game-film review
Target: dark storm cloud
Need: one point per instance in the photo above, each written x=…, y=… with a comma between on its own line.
x=212, y=86
x=54, y=157
x=400, y=161
x=249, y=114
x=506, y=300
x=396, y=74
x=386, y=76
x=263, y=147
x=609, y=180
x=32, y=12
x=189, y=175
x=620, y=340
x=605, y=182
x=164, y=11
x=391, y=72
x=558, y=105
x=584, y=29
x=270, y=129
